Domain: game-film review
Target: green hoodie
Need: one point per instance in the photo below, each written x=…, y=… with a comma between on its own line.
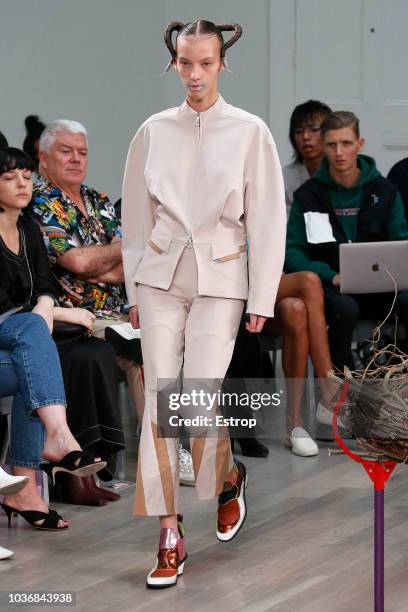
x=297, y=258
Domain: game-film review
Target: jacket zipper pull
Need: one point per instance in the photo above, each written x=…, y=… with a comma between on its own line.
x=197, y=123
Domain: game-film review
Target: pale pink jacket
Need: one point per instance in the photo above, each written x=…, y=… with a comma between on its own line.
x=211, y=181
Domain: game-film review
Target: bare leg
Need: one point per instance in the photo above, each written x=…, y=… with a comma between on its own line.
x=29, y=498
x=292, y=316
x=59, y=440
x=311, y=292
x=307, y=287
x=169, y=521
x=134, y=377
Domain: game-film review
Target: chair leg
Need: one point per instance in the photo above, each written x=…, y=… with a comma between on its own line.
x=120, y=471
x=6, y=443
x=272, y=357
x=45, y=488
x=311, y=398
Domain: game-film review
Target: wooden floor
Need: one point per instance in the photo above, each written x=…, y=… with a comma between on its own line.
x=306, y=546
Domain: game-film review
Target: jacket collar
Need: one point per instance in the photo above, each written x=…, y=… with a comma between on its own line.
x=214, y=110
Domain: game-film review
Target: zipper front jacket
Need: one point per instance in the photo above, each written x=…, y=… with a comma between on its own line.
x=325, y=214
x=211, y=181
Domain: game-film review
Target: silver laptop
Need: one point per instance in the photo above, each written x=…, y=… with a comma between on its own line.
x=363, y=266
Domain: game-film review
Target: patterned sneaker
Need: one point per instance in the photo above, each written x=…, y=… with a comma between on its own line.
x=186, y=467
x=170, y=558
x=232, y=508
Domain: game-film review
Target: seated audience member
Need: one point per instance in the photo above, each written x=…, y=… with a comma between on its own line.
x=29, y=364
x=299, y=315
x=336, y=206
x=300, y=319
x=34, y=128
x=82, y=235
x=98, y=428
x=398, y=175
x=305, y=137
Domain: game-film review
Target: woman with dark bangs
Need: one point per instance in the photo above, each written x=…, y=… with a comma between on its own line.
x=29, y=364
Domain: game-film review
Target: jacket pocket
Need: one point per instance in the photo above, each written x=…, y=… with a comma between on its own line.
x=160, y=244
x=226, y=252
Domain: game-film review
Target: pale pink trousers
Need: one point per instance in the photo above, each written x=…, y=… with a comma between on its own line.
x=181, y=330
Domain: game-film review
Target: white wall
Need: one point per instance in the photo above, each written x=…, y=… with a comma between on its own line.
x=99, y=62
x=91, y=60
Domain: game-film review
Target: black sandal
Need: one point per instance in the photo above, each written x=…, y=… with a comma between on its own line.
x=86, y=466
x=50, y=519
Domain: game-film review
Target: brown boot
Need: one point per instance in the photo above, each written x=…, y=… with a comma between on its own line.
x=83, y=491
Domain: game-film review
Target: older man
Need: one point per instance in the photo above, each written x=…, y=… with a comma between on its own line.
x=83, y=238
x=82, y=234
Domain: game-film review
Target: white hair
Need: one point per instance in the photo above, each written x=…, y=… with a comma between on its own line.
x=49, y=135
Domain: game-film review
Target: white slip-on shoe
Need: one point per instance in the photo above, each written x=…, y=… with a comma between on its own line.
x=10, y=485
x=186, y=467
x=301, y=444
x=5, y=553
x=325, y=416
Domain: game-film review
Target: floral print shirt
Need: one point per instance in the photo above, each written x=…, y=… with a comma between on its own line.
x=64, y=227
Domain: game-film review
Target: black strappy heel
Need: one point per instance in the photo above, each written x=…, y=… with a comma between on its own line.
x=50, y=519
x=86, y=466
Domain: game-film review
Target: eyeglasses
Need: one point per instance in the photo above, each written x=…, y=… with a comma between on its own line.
x=312, y=128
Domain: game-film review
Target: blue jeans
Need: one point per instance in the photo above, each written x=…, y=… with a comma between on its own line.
x=30, y=371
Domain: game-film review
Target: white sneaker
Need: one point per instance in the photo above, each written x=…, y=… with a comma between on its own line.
x=186, y=467
x=10, y=485
x=325, y=416
x=300, y=443
x=5, y=553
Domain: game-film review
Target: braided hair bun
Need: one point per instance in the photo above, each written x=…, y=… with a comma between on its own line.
x=200, y=27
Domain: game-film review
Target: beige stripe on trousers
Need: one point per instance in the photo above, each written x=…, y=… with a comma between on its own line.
x=181, y=330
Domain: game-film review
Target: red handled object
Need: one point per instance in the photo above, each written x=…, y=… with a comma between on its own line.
x=379, y=472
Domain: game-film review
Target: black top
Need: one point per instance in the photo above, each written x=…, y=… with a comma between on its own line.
x=26, y=276
x=399, y=176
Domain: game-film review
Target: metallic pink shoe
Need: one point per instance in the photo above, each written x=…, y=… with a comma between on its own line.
x=170, y=558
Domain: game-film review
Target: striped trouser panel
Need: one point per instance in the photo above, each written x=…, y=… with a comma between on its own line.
x=182, y=331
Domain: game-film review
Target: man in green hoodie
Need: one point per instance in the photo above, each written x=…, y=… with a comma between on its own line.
x=347, y=200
